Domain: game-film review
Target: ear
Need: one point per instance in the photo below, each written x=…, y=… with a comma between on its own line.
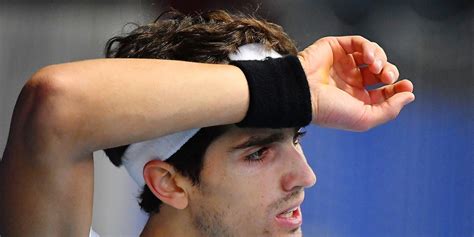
x=164, y=182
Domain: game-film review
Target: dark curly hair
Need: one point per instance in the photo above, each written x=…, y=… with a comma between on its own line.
x=207, y=37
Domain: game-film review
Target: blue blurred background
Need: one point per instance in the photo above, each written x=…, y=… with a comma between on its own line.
x=411, y=177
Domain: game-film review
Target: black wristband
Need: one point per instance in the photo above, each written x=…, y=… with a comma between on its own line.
x=279, y=93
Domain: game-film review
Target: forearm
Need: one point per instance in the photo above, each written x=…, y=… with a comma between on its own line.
x=110, y=102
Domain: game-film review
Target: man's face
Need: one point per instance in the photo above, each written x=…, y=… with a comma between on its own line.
x=252, y=184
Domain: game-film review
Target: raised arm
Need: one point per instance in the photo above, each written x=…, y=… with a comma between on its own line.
x=67, y=111
x=110, y=102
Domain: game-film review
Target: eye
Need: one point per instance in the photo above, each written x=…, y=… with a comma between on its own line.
x=298, y=136
x=257, y=156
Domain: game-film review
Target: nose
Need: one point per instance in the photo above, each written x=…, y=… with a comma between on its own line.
x=298, y=174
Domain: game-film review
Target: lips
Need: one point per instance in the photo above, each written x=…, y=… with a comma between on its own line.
x=288, y=214
x=290, y=218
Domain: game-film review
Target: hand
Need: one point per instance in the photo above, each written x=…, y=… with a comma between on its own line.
x=338, y=70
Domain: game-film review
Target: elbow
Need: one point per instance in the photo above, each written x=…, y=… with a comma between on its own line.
x=47, y=83
x=50, y=88
x=44, y=105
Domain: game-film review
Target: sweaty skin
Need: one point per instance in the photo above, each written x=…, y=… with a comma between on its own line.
x=67, y=111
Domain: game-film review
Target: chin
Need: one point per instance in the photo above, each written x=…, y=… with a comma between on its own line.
x=288, y=233
x=296, y=232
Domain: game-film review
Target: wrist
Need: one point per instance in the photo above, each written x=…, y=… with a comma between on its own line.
x=303, y=63
x=311, y=84
x=279, y=93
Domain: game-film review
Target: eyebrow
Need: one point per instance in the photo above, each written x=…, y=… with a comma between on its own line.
x=260, y=140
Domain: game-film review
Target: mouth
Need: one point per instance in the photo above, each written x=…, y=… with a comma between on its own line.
x=290, y=218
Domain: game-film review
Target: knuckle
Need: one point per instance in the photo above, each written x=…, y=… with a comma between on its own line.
x=328, y=39
x=359, y=37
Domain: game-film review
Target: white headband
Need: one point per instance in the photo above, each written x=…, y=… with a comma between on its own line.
x=162, y=148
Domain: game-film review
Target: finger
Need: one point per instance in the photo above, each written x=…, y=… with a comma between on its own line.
x=352, y=44
x=368, y=78
x=372, y=54
x=380, y=59
x=351, y=73
x=387, y=110
x=384, y=93
x=404, y=86
x=389, y=74
x=359, y=58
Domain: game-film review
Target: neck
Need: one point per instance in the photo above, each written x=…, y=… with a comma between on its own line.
x=169, y=222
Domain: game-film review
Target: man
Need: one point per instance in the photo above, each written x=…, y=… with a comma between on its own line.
x=233, y=167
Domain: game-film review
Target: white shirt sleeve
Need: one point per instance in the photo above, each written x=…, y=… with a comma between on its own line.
x=92, y=233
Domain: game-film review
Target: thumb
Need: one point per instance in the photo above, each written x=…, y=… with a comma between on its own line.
x=387, y=110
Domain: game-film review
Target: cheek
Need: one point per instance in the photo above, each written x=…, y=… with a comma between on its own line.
x=234, y=183
x=242, y=204
x=235, y=187
x=242, y=196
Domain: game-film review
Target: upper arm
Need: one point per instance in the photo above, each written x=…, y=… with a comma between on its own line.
x=46, y=185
